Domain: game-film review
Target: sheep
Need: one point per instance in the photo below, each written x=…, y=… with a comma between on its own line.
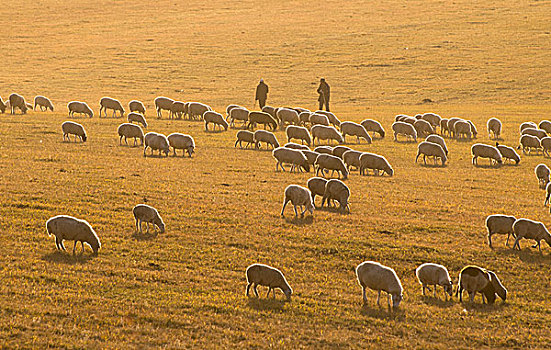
x=373, y=126
x=301, y=110
x=296, y=158
x=287, y=115
x=500, y=224
x=529, y=229
x=444, y=126
x=432, y=150
x=508, y=153
x=401, y=117
x=423, y=128
x=304, y=118
x=316, y=185
x=261, y=118
x=462, y=129
x=17, y=101
x=128, y=130
x=540, y=134
x=265, y=136
x=339, y=151
x=408, y=120
x=270, y=110
x=546, y=145
x=438, y=140
x=197, y=109
x=216, y=119
x=328, y=133
x=2, y=106
x=138, y=118
x=486, y=151
x=148, y=214
x=299, y=197
x=331, y=117
x=330, y=162
x=181, y=141
x=451, y=125
x=324, y=149
x=264, y=275
x=79, y=107
x=72, y=128
x=245, y=136
x=526, y=125
x=136, y=106
x=494, y=127
x=401, y=128
x=378, y=277
x=337, y=190
x=44, y=103
x=547, y=195
x=156, y=141
x=230, y=107
x=296, y=146
x=375, y=162
x=238, y=113
x=299, y=133
x=432, y=118
x=545, y=125
x=318, y=119
x=529, y=142
x=177, y=109
x=110, y=103
x=354, y=129
x=430, y=274
x=161, y=103
x=352, y=159
x=474, y=132
x=311, y=156
x=475, y=279
x=542, y=174
x=65, y=227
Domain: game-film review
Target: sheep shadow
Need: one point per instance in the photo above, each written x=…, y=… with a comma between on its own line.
x=487, y=166
x=437, y=301
x=382, y=313
x=299, y=221
x=482, y=308
x=527, y=255
x=335, y=210
x=464, y=140
x=219, y=131
x=268, y=304
x=428, y=165
x=144, y=236
x=405, y=142
x=159, y=156
x=61, y=257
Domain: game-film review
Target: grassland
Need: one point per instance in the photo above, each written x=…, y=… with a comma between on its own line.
x=186, y=288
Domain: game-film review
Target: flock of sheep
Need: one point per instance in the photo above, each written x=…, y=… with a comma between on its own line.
x=305, y=126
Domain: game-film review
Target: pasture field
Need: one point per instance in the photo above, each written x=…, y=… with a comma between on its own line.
x=186, y=288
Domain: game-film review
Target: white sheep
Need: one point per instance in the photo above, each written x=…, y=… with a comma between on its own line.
x=373, y=126
x=328, y=133
x=540, y=134
x=379, y=278
x=318, y=119
x=352, y=159
x=329, y=162
x=230, y=107
x=299, y=133
x=462, y=129
x=529, y=229
x=296, y=158
x=72, y=128
x=545, y=125
x=216, y=119
x=270, y=110
x=547, y=195
x=438, y=140
x=128, y=130
x=474, y=132
x=526, y=125
x=508, y=153
x=79, y=107
x=177, y=110
x=156, y=141
x=354, y=129
x=181, y=141
x=238, y=113
x=529, y=142
x=316, y=185
x=304, y=118
x=17, y=101
x=423, y=128
x=480, y=150
x=500, y=224
x=261, y=118
x=265, y=136
x=336, y=190
x=287, y=115
x=264, y=275
x=542, y=174
x=65, y=227
x=148, y=214
x=138, y=118
x=298, y=196
x=432, y=118
x=338, y=151
x=451, y=125
x=163, y=103
x=545, y=145
x=430, y=274
x=2, y=106
x=311, y=156
x=432, y=150
x=475, y=279
x=402, y=128
x=245, y=136
x=296, y=146
x=494, y=127
x=331, y=117
x=324, y=149
x=136, y=106
x=375, y=162
x=44, y=103
x=444, y=127
x=197, y=109
x=110, y=103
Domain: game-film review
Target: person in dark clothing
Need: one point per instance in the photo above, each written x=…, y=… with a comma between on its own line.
x=261, y=93
x=324, y=92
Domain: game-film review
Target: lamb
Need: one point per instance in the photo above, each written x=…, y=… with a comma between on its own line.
x=163, y=103
x=296, y=158
x=462, y=129
x=529, y=142
x=287, y=115
x=486, y=151
x=72, y=128
x=296, y=146
x=331, y=117
x=354, y=129
x=526, y=125
x=337, y=190
x=299, y=197
x=373, y=126
x=183, y=142
x=110, y=103
x=156, y=141
x=65, y=227
x=375, y=162
x=540, y=134
x=430, y=274
x=494, y=127
x=318, y=119
x=328, y=133
x=197, y=109
x=324, y=149
x=508, y=153
x=401, y=128
x=529, y=229
x=546, y=145
x=177, y=109
x=542, y=174
x=238, y=113
x=433, y=119
x=216, y=119
x=330, y=162
x=339, y=151
x=44, y=103
x=299, y=133
x=423, y=128
x=351, y=159
x=148, y=214
x=128, y=130
x=17, y=101
x=265, y=136
x=500, y=224
x=444, y=126
x=438, y=140
x=136, y=106
x=475, y=279
x=545, y=125
x=316, y=185
x=378, y=277
x=311, y=156
x=264, y=275
x=138, y=118
x=245, y=136
x=79, y=107
x=261, y=118
x=432, y=150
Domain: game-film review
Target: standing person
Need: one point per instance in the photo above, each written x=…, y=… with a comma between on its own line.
x=261, y=93
x=324, y=92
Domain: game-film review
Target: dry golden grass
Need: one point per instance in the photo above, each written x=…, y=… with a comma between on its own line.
x=186, y=288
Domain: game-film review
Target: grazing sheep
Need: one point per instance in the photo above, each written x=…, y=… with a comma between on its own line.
x=311, y=156
x=474, y=132
x=72, y=128
x=296, y=146
x=438, y=140
x=197, y=109
x=79, y=107
x=264, y=275
x=44, y=103
x=216, y=119
x=526, y=125
x=462, y=129
x=148, y=214
x=265, y=136
x=245, y=136
x=138, y=118
x=287, y=115
x=304, y=118
x=2, y=106
x=500, y=224
x=230, y=107
x=475, y=279
x=444, y=126
x=270, y=110
x=529, y=229
x=508, y=153
x=354, y=129
x=375, y=162
x=330, y=162
x=324, y=149
x=545, y=125
x=494, y=127
x=432, y=150
x=301, y=110
x=128, y=130
x=238, y=113
x=339, y=151
x=299, y=197
x=529, y=142
x=432, y=118
x=430, y=274
x=373, y=126
x=542, y=174
x=328, y=133
x=408, y=120
x=451, y=125
x=17, y=101
x=352, y=159
x=331, y=117
x=547, y=195
x=540, y=134
x=156, y=141
x=423, y=128
x=401, y=117
x=316, y=185
x=299, y=133
x=401, y=128
x=296, y=158
x=177, y=109
x=136, y=106
x=65, y=227
x=163, y=103
x=110, y=103
x=337, y=190
x=318, y=119
x=261, y=118
x=183, y=142
x=486, y=151
x=378, y=277
x=546, y=145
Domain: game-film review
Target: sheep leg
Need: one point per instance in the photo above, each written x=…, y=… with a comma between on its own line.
x=255, y=290
x=82, y=243
x=296, y=213
x=136, y=225
x=57, y=243
x=62, y=245
x=75, y=247
x=378, y=298
x=285, y=201
x=363, y=295
x=388, y=300
x=490, y=240
x=269, y=290
x=248, y=287
x=471, y=296
x=147, y=223
x=517, y=244
x=423, y=289
x=434, y=292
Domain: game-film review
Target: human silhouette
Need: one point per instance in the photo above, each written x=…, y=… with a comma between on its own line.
x=324, y=92
x=261, y=93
